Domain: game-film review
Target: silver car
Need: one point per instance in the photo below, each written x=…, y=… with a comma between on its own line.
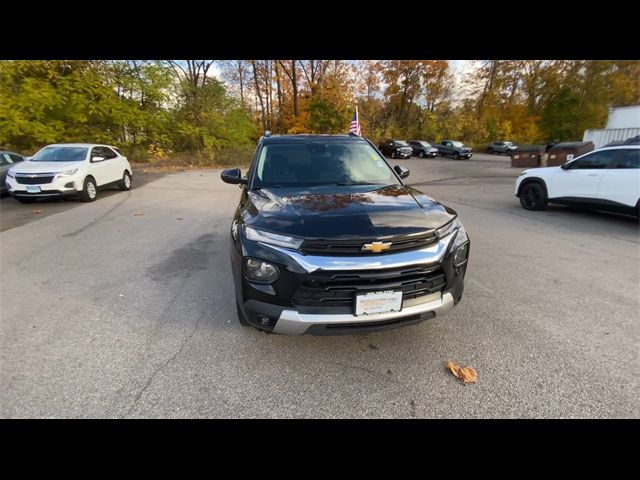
x=501, y=147
x=7, y=160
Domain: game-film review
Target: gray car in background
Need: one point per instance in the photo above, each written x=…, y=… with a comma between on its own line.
x=501, y=147
x=7, y=160
x=423, y=149
x=455, y=149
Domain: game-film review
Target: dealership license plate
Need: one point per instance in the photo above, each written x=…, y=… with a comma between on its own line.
x=378, y=302
x=33, y=189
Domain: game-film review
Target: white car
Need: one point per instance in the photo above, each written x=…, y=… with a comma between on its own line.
x=69, y=169
x=604, y=179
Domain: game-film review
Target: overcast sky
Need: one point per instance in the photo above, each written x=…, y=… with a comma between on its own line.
x=460, y=69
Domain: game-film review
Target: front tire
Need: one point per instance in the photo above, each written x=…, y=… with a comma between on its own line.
x=456, y=156
x=89, y=190
x=533, y=197
x=125, y=184
x=490, y=150
x=393, y=154
x=421, y=155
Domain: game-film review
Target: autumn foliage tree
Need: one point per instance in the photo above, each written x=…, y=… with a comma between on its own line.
x=216, y=110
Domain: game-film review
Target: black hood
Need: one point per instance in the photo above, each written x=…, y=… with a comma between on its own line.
x=344, y=212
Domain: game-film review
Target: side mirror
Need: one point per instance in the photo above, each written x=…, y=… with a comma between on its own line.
x=233, y=176
x=565, y=166
x=97, y=159
x=401, y=171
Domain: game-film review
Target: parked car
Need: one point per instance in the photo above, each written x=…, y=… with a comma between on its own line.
x=550, y=145
x=423, y=149
x=629, y=141
x=454, y=149
x=501, y=147
x=604, y=179
x=69, y=169
x=7, y=160
x=395, y=149
x=328, y=239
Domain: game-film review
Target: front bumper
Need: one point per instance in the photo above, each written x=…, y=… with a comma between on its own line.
x=59, y=187
x=274, y=308
x=292, y=322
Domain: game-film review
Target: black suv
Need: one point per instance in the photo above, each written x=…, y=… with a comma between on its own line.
x=328, y=239
x=396, y=149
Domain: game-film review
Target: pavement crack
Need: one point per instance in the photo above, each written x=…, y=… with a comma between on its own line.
x=171, y=359
x=100, y=218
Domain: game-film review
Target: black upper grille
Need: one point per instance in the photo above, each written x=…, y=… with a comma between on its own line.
x=332, y=247
x=333, y=289
x=34, y=180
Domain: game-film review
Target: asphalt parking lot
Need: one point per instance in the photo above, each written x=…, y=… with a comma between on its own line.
x=124, y=308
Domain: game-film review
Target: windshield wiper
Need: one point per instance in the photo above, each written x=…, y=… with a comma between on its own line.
x=357, y=183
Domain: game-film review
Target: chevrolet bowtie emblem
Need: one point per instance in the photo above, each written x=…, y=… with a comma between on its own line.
x=376, y=247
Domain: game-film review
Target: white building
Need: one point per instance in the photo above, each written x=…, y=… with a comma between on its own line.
x=623, y=123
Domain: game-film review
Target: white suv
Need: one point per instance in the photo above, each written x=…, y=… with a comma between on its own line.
x=67, y=169
x=604, y=179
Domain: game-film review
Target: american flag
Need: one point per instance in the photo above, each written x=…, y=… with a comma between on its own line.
x=355, y=123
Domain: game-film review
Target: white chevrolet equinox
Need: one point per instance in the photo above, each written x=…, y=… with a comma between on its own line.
x=604, y=179
x=69, y=169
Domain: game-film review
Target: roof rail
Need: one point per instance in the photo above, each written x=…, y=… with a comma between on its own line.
x=267, y=133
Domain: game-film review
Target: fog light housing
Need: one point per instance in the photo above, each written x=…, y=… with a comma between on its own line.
x=260, y=271
x=461, y=254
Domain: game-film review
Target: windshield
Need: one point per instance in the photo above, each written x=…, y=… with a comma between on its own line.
x=456, y=144
x=508, y=143
x=425, y=144
x=321, y=163
x=61, y=154
x=400, y=142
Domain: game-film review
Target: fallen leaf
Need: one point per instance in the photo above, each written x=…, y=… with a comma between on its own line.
x=469, y=375
x=466, y=374
x=179, y=218
x=37, y=212
x=137, y=214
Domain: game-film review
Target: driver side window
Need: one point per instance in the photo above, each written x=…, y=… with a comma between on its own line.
x=595, y=160
x=96, y=152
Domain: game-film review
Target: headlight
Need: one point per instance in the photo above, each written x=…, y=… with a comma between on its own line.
x=460, y=247
x=260, y=271
x=272, y=238
x=67, y=173
x=460, y=256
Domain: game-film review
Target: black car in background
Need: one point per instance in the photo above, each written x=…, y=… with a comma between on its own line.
x=7, y=160
x=423, y=149
x=629, y=141
x=327, y=239
x=395, y=149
